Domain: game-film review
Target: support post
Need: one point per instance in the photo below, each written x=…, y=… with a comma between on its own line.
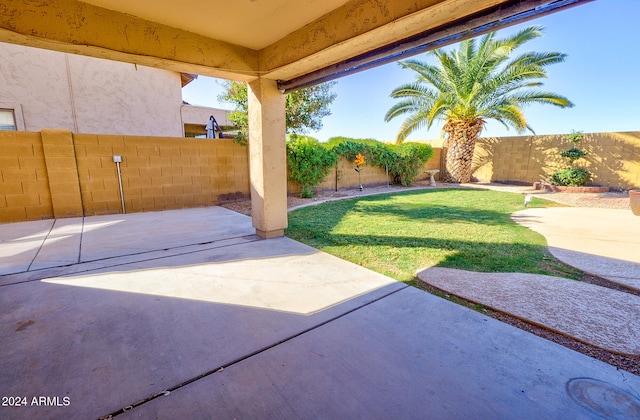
x=267, y=158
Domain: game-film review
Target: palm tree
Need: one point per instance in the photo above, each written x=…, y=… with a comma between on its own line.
x=471, y=85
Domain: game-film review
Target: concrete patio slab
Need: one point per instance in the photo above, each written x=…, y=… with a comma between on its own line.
x=592, y=314
x=604, y=242
x=114, y=337
x=208, y=321
x=113, y=262
x=409, y=355
x=46, y=244
x=280, y=274
x=20, y=244
x=62, y=245
x=115, y=235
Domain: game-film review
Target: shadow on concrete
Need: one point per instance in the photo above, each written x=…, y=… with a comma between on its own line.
x=588, y=313
x=602, y=242
x=623, y=272
x=105, y=350
x=278, y=274
x=166, y=301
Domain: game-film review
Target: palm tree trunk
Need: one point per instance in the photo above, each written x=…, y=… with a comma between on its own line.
x=462, y=137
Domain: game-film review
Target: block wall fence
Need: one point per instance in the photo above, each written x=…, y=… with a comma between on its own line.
x=612, y=158
x=56, y=173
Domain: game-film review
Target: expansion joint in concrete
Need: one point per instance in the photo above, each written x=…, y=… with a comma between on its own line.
x=245, y=357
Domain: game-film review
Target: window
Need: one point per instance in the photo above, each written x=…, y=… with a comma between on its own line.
x=7, y=119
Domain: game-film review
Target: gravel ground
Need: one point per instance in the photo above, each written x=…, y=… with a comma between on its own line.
x=612, y=200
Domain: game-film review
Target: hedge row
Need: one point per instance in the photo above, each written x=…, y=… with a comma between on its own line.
x=310, y=161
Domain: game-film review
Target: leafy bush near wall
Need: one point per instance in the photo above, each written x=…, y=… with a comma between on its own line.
x=572, y=177
x=573, y=154
x=376, y=153
x=404, y=160
x=409, y=161
x=309, y=162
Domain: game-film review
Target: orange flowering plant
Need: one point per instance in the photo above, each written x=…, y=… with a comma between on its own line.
x=359, y=162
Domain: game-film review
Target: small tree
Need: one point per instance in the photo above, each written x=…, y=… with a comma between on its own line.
x=309, y=162
x=573, y=176
x=305, y=108
x=409, y=161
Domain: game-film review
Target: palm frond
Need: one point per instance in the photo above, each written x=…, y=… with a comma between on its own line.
x=527, y=97
x=411, y=89
x=480, y=80
x=411, y=124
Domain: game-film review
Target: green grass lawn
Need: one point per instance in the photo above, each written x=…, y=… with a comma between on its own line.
x=397, y=234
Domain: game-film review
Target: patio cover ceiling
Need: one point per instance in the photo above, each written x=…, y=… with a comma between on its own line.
x=297, y=42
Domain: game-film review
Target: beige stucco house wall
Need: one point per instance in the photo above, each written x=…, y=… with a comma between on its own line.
x=50, y=89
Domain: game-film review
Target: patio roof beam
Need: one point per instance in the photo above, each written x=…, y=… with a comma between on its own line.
x=511, y=13
x=80, y=28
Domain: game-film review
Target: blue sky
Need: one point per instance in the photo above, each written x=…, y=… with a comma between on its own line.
x=600, y=76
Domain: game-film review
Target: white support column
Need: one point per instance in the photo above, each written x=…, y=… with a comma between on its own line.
x=267, y=158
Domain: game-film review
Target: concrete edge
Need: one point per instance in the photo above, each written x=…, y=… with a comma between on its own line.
x=475, y=301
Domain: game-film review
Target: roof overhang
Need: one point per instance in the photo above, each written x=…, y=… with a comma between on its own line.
x=488, y=20
x=297, y=42
x=187, y=78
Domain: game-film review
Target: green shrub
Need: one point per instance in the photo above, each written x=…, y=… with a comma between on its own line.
x=573, y=154
x=575, y=137
x=404, y=160
x=309, y=162
x=375, y=152
x=408, y=161
x=572, y=177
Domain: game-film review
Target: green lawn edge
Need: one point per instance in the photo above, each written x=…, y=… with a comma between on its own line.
x=397, y=234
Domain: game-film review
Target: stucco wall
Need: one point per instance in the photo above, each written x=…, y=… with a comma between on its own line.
x=192, y=114
x=89, y=95
x=111, y=97
x=36, y=79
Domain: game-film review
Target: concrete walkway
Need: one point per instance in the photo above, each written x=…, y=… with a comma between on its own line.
x=186, y=314
x=592, y=314
x=38, y=245
x=604, y=242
